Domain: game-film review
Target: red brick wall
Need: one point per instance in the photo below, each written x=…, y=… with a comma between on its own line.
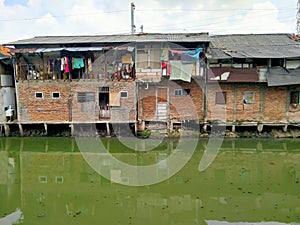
x=180, y=107
x=274, y=103
x=46, y=109
x=220, y=112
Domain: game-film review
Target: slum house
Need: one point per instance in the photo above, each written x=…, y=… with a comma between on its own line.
x=254, y=79
x=7, y=92
x=175, y=97
x=91, y=79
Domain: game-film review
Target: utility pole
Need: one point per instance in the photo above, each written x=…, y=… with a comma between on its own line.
x=298, y=18
x=132, y=18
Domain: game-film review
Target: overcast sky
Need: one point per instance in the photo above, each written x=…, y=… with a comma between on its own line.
x=20, y=19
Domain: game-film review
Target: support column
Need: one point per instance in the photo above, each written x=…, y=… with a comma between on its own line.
x=107, y=129
x=285, y=128
x=233, y=128
x=135, y=128
x=21, y=130
x=72, y=129
x=46, y=128
x=6, y=130
x=260, y=127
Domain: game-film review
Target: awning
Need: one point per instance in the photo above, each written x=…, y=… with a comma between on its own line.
x=279, y=76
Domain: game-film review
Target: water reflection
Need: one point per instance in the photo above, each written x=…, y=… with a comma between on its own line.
x=250, y=181
x=13, y=218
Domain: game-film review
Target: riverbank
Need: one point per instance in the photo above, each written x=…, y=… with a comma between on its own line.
x=126, y=130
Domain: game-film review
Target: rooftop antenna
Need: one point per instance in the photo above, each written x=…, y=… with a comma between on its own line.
x=132, y=18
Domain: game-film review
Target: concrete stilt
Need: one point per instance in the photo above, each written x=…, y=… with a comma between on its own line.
x=205, y=127
x=135, y=129
x=72, y=130
x=6, y=130
x=21, y=130
x=107, y=130
x=46, y=128
x=285, y=128
x=260, y=127
x=233, y=128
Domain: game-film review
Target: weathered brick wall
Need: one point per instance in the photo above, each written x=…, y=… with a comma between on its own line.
x=89, y=111
x=180, y=107
x=220, y=112
x=146, y=103
x=186, y=107
x=275, y=104
x=67, y=106
x=248, y=112
x=272, y=99
x=46, y=109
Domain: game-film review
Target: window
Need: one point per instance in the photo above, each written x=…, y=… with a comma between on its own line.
x=220, y=98
x=55, y=95
x=103, y=89
x=38, y=95
x=85, y=97
x=248, y=97
x=295, y=97
x=124, y=94
x=59, y=179
x=182, y=92
x=43, y=179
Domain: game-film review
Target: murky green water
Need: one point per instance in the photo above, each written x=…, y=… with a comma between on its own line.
x=47, y=181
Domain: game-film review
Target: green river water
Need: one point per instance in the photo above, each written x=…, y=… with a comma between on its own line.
x=47, y=181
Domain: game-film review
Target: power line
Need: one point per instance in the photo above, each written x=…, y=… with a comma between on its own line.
x=64, y=16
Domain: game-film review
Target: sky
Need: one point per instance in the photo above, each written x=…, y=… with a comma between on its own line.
x=21, y=19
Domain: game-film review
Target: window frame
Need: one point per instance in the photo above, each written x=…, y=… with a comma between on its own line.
x=247, y=101
x=295, y=95
x=182, y=92
x=218, y=98
x=56, y=92
x=124, y=92
x=39, y=92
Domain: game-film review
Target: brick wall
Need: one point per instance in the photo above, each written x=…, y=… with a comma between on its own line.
x=45, y=109
x=180, y=107
x=67, y=107
x=272, y=99
x=275, y=104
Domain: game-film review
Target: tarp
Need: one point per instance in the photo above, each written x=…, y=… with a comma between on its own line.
x=180, y=71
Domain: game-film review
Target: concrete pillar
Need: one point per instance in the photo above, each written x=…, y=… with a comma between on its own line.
x=107, y=129
x=205, y=127
x=6, y=130
x=233, y=128
x=260, y=127
x=72, y=129
x=285, y=128
x=135, y=128
x=46, y=128
x=21, y=130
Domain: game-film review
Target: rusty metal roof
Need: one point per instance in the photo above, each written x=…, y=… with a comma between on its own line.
x=232, y=75
x=95, y=39
x=257, y=45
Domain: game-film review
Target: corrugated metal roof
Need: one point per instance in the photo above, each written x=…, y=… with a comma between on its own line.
x=234, y=75
x=176, y=37
x=278, y=76
x=257, y=45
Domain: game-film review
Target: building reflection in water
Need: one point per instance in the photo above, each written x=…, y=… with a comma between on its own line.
x=249, y=180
